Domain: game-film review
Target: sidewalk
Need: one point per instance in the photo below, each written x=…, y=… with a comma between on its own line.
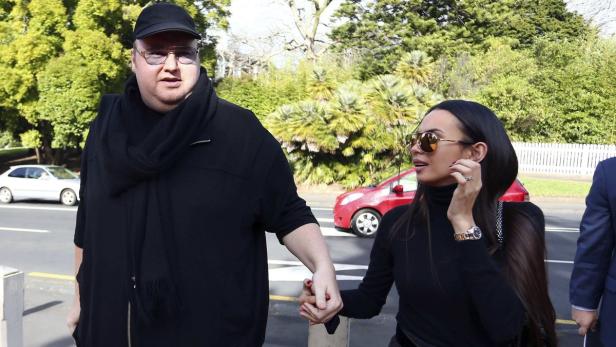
x=47, y=303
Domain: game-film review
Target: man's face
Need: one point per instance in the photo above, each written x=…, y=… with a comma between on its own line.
x=164, y=86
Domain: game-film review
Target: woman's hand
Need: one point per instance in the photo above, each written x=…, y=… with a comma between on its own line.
x=307, y=298
x=468, y=175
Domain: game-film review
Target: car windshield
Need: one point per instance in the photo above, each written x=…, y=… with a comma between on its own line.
x=62, y=173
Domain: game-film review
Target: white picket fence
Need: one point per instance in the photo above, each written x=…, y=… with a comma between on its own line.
x=561, y=159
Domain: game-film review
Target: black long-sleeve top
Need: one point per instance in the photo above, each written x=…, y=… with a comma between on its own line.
x=456, y=296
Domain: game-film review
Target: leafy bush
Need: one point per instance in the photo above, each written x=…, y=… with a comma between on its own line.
x=7, y=140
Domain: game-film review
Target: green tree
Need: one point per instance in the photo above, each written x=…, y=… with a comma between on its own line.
x=554, y=91
x=356, y=135
x=61, y=56
x=577, y=78
x=31, y=32
x=267, y=91
x=416, y=66
x=384, y=29
x=32, y=139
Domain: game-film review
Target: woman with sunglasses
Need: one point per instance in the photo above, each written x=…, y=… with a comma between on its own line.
x=469, y=271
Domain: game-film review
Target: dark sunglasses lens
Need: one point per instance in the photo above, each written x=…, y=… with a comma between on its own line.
x=428, y=141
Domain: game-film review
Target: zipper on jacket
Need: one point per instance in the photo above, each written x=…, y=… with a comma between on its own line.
x=129, y=339
x=129, y=334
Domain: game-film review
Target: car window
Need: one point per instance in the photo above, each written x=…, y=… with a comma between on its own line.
x=409, y=182
x=34, y=172
x=61, y=173
x=18, y=173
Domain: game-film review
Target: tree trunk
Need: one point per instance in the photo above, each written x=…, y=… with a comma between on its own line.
x=58, y=156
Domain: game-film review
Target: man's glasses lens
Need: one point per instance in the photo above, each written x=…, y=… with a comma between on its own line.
x=159, y=57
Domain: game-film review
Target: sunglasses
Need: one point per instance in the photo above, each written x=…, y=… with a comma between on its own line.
x=184, y=55
x=428, y=141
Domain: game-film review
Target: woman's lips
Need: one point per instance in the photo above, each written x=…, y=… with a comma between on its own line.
x=419, y=165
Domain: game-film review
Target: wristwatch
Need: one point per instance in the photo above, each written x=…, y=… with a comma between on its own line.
x=474, y=233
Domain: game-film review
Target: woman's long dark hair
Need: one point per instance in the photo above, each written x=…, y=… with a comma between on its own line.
x=524, y=247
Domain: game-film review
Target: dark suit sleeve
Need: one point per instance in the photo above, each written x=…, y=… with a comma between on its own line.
x=594, y=246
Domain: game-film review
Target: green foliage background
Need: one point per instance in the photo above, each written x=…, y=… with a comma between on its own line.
x=346, y=117
x=543, y=70
x=59, y=58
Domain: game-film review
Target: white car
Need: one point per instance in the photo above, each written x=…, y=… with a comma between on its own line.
x=43, y=182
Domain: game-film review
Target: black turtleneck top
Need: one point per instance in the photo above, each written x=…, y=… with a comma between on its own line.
x=454, y=295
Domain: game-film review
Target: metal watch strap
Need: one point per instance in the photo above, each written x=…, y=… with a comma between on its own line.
x=473, y=233
x=462, y=237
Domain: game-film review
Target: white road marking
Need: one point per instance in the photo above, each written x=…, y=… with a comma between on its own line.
x=333, y=232
x=559, y=261
x=17, y=207
x=325, y=220
x=321, y=209
x=561, y=230
x=24, y=230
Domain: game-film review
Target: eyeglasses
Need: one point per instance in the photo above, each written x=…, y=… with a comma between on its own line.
x=184, y=55
x=428, y=141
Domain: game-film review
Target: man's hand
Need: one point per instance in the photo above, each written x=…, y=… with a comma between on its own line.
x=320, y=299
x=586, y=320
x=308, y=245
x=73, y=316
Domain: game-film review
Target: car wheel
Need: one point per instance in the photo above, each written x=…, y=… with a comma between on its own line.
x=5, y=195
x=68, y=197
x=365, y=222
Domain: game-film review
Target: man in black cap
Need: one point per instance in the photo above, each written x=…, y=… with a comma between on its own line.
x=177, y=189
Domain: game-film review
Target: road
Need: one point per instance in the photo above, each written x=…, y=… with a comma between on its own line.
x=37, y=239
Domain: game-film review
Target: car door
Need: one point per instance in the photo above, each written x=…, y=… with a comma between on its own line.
x=409, y=186
x=35, y=187
x=16, y=182
x=50, y=185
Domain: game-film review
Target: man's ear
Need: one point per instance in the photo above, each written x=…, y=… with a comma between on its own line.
x=133, y=54
x=477, y=151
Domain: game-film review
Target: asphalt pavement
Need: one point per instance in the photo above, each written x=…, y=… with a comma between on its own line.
x=37, y=239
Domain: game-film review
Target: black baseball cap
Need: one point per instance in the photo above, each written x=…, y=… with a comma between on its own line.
x=161, y=17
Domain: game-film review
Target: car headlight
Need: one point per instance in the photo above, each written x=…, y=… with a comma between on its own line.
x=351, y=197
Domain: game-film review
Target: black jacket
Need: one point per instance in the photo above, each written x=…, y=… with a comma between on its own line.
x=231, y=185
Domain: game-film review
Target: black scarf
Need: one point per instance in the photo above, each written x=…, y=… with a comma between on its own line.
x=134, y=172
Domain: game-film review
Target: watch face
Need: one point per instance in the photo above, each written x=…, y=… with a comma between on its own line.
x=477, y=232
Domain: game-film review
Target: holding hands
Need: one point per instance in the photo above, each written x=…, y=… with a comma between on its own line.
x=317, y=304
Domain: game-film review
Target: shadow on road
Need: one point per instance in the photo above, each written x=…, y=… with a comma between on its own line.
x=42, y=307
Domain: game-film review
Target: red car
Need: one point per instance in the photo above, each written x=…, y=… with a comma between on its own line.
x=361, y=209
